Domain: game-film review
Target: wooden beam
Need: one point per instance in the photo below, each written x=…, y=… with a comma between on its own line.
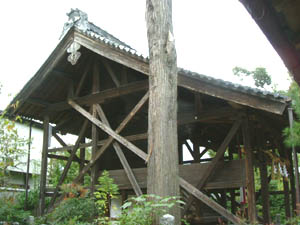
x=95, y=132
x=38, y=102
x=82, y=160
x=249, y=172
x=121, y=155
x=111, y=72
x=229, y=174
x=101, y=96
x=190, y=149
x=110, y=139
x=43, y=175
x=67, y=167
x=62, y=157
x=83, y=78
x=58, y=138
x=44, y=71
x=191, y=82
x=203, y=152
x=134, y=137
x=208, y=114
x=219, y=155
x=209, y=202
x=264, y=188
x=109, y=131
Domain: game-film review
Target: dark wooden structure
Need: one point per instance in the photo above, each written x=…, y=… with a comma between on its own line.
x=103, y=97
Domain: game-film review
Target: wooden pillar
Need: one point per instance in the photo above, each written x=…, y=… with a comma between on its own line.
x=180, y=152
x=82, y=160
x=286, y=191
x=265, y=195
x=196, y=149
x=43, y=176
x=232, y=192
x=295, y=163
x=95, y=133
x=292, y=180
x=249, y=172
x=163, y=169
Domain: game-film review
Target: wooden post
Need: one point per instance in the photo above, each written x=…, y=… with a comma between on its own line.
x=82, y=160
x=249, y=172
x=292, y=180
x=264, y=188
x=162, y=123
x=296, y=166
x=43, y=175
x=95, y=133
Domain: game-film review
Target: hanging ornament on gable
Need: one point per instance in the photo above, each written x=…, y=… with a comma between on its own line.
x=74, y=53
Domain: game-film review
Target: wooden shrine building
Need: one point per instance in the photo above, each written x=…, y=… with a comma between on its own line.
x=96, y=87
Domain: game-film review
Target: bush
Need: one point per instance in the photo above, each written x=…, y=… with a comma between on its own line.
x=10, y=213
x=33, y=199
x=74, y=211
x=140, y=210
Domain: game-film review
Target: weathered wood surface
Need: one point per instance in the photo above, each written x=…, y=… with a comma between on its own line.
x=110, y=139
x=213, y=165
x=109, y=131
x=162, y=112
x=211, y=203
x=186, y=81
x=121, y=155
x=134, y=137
x=229, y=174
x=69, y=162
x=101, y=96
x=43, y=177
x=249, y=172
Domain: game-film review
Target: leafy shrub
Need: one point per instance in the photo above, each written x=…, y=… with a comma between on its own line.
x=10, y=213
x=73, y=211
x=107, y=190
x=33, y=199
x=140, y=210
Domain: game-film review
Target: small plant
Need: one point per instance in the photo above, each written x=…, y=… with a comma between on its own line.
x=140, y=210
x=74, y=211
x=106, y=191
x=10, y=213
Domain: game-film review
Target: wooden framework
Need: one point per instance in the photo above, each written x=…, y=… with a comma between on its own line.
x=105, y=106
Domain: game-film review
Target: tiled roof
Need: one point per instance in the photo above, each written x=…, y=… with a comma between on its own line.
x=101, y=35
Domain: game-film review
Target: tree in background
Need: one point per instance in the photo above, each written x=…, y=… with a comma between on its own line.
x=259, y=75
x=12, y=147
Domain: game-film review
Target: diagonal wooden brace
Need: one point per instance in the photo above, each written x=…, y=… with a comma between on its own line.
x=213, y=164
x=110, y=139
x=209, y=202
x=121, y=155
x=109, y=131
x=67, y=167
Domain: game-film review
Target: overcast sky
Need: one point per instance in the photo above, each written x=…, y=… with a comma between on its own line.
x=211, y=36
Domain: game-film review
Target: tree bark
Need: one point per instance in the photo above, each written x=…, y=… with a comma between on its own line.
x=162, y=123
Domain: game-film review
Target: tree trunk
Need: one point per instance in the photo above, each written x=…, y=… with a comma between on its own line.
x=162, y=124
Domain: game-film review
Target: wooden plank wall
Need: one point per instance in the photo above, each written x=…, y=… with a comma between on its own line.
x=230, y=174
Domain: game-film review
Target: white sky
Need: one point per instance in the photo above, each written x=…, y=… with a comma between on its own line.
x=212, y=36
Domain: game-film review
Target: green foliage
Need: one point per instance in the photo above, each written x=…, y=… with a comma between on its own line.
x=10, y=213
x=259, y=75
x=293, y=137
x=11, y=148
x=33, y=199
x=106, y=191
x=74, y=211
x=140, y=210
x=55, y=170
